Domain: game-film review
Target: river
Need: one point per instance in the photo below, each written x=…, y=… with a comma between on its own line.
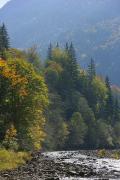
x=105, y=168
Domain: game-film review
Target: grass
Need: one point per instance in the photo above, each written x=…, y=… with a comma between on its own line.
x=10, y=160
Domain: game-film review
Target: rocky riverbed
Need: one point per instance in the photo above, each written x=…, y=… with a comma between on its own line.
x=68, y=165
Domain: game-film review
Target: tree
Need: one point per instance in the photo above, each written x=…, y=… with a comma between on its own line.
x=56, y=127
x=33, y=58
x=10, y=141
x=66, y=47
x=52, y=74
x=98, y=96
x=57, y=45
x=116, y=111
x=117, y=134
x=109, y=101
x=91, y=70
x=23, y=99
x=78, y=131
x=4, y=40
x=73, y=64
x=5, y=37
x=104, y=135
x=89, y=118
x=49, y=55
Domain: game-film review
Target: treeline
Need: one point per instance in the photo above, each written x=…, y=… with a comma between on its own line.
x=83, y=112
x=56, y=105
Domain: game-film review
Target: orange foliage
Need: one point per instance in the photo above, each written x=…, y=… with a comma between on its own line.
x=17, y=81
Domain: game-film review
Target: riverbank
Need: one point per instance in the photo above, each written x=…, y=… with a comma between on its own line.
x=66, y=165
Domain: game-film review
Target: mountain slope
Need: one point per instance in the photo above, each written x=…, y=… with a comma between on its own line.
x=93, y=26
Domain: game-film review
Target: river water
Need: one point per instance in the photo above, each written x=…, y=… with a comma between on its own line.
x=104, y=168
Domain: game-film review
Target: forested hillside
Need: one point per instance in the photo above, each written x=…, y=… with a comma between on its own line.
x=56, y=105
x=93, y=26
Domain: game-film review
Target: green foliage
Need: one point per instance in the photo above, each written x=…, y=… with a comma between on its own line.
x=116, y=155
x=4, y=40
x=109, y=101
x=49, y=55
x=33, y=57
x=91, y=70
x=13, y=53
x=78, y=130
x=10, y=140
x=56, y=127
x=85, y=93
x=11, y=160
x=52, y=74
x=23, y=101
x=57, y=106
x=117, y=134
x=104, y=134
x=102, y=153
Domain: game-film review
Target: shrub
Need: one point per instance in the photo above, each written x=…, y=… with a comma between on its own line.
x=10, y=141
x=102, y=153
x=11, y=160
x=116, y=155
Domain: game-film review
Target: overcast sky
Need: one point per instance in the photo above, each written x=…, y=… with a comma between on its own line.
x=3, y=2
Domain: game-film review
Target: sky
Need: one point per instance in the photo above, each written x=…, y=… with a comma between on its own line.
x=3, y=2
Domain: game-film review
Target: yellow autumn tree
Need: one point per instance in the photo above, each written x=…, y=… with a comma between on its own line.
x=10, y=141
x=23, y=97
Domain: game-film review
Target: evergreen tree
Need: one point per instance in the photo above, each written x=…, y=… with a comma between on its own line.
x=0, y=38
x=91, y=70
x=116, y=111
x=66, y=47
x=5, y=37
x=90, y=91
x=73, y=64
x=109, y=101
x=57, y=45
x=1, y=41
x=50, y=48
x=4, y=40
x=32, y=57
x=78, y=131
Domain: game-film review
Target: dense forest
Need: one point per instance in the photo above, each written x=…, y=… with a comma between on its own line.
x=55, y=105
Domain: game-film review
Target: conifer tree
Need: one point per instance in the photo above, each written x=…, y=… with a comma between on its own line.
x=4, y=40
x=116, y=110
x=91, y=70
x=1, y=39
x=109, y=100
x=73, y=63
x=50, y=48
x=57, y=45
x=5, y=37
x=66, y=47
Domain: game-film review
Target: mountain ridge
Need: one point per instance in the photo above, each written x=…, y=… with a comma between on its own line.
x=94, y=31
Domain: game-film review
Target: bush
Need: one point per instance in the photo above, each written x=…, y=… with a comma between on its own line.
x=102, y=153
x=10, y=141
x=116, y=155
x=11, y=160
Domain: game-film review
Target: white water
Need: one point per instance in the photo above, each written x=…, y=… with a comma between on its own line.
x=99, y=165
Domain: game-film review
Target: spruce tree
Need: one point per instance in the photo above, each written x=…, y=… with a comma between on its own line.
x=116, y=110
x=1, y=39
x=4, y=40
x=57, y=45
x=91, y=70
x=73, y=63
x=109, y=100
x=5, y=37
x=50, y=48
x=66, y=47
